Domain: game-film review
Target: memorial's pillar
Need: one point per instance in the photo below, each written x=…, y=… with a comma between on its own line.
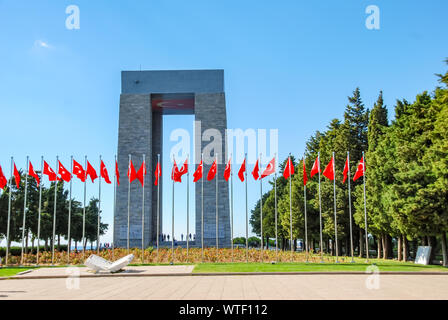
x=210, y=111
x=135, y=138
x=157, y=147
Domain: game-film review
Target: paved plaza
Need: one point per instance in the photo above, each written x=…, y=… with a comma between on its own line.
x=181, y=284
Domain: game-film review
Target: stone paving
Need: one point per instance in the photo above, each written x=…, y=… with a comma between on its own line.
x=64, y=272
x=239, y=287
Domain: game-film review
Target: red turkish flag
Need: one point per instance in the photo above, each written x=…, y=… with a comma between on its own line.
x=49, y=172
x=345, y=172
x=104, y=173
x=360, y=170
x=79, y=171
x=117, y=172
x=157, y=174
x=289, y=169
x=316, y=167
x=141, y=173
x=329, y=170
x=183, y=170
x=198, y=173
x=270, y=169
x=305, y=178
x=17, y=176
x=175, y=175
x=132, y=175
x=3, y=180
x=212, y=172
x=32, y=173
x=91, y=172
x=64, y=173
x=242, y=170
x=255, y=171
x=227, y=170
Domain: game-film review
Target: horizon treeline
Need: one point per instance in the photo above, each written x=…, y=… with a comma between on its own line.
x=406, y=180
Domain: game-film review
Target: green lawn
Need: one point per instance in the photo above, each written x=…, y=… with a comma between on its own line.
x=8, y=272
x=315, y=267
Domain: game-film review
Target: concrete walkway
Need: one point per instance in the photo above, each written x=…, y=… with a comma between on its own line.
x=231, y=287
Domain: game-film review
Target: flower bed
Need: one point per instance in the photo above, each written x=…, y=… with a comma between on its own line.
x=165, y=256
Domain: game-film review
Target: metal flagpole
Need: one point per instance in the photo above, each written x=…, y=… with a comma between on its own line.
x=231, y=207
x=172, y=223
x=290, y=209
x=24, y=210
x=129, y=201
x=188, y=208
x=69, y=211
x=40, y=206
x=365, y=208
x=261, y=214
x=247, y=215
x=158, y=206
x=99, y=212
x=350, y=206
x=143, y=210
x=9, y=214
x=217, y=219
x=306, y=223
x=320, y=213
x=275, y=205
x=335, y=216
x=115, y=205
x=54, y=210
x=84, y=241
x=202, y=209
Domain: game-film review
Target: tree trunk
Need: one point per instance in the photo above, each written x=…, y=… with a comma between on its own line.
x=26, y=242
x=399, y=249
x=361, y=243
x=444, y=252
x=379, y=240
x=390, y=253
x=59, y=242
x=405, y=248
x=9, y=246
x=432, y=243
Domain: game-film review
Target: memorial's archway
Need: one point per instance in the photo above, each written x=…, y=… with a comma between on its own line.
x=145, y=97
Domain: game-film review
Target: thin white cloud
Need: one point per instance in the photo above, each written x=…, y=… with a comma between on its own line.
x=42, y=44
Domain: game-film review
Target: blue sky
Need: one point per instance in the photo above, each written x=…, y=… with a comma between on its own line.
x=289, y=65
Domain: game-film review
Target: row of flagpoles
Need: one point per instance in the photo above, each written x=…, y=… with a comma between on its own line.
x=176, y=175
x=61, y=174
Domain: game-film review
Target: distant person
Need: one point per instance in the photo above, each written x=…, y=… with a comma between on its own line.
x=190, y=236
x=182, y=237
x=168, y=237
